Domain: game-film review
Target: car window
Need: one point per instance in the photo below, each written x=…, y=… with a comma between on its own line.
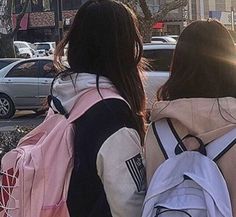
x=160, y=60
x=26, y=69
x=43, y=47
x=4, y=63
x=18, y=45
x=47, y=69
x=21, y=45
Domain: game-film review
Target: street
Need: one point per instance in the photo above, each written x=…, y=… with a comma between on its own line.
x=22, y=118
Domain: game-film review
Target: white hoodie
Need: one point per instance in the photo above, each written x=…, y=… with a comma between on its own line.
x=118, y=162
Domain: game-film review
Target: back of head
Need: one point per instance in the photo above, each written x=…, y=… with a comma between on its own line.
x=104, y=40
x=204, y=63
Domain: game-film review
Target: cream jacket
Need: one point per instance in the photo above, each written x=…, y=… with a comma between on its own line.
x=206, y=118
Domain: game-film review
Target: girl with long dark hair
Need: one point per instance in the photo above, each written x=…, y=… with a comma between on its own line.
x=104, y=52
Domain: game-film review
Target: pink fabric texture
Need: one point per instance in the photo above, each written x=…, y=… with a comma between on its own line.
x=36, y=174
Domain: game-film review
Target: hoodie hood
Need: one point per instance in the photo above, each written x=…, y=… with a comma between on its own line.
x=207, y=118
x=69, y=89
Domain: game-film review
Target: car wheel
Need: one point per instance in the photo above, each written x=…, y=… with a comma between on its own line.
x=7, y=108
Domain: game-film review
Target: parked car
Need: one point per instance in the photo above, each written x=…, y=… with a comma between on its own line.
x=25, y=84
x=25, y=49
x=159, y=57
x=163, y=39
x=45, y=48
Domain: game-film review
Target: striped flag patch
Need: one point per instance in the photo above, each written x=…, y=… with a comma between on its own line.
x=137, y=171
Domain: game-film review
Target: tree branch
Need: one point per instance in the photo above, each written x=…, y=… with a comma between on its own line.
x=167, y=7
x=19, y=18
x=5, y=18
x=131, y=3
x=146, y=11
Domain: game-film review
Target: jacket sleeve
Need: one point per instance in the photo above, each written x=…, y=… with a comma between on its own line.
x=121, y=169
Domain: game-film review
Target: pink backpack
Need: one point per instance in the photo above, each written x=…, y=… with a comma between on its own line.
x=36, y=174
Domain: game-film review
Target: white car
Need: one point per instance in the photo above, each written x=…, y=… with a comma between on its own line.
x=45, y=48
x=176, y=37
x=163, y=39
x=159, y=57
x=25, y=49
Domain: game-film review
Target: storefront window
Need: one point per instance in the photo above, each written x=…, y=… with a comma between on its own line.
x=66, y=4
x=47, y=5
x=19, y=6
x=173, y=29
x=41, y=5
x=36, y=5
x=76, y=4
x=70, y=5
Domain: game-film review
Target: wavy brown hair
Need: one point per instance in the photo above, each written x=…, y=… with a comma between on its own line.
x=104, y=40
x=204, y=63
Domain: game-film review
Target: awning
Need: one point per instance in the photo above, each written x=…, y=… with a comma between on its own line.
x=24, y=21
x=158, y=25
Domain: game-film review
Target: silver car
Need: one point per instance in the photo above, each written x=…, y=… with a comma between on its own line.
x=25, y=84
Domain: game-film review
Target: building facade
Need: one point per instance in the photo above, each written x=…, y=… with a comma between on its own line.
x=216, y=9
x=196, y=10
x=38, y=24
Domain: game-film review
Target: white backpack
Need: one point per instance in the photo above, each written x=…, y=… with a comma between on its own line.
x=188, y=183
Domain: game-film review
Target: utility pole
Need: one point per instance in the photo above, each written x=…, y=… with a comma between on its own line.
x=202, y=9
x=58, y=20
x=232, y=18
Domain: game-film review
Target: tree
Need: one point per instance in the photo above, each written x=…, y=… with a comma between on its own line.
x=147, y=19
x=7, y=32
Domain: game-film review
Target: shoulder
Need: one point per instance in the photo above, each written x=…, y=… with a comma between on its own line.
x=153, y=149
x=108, y=120
x=109, y=113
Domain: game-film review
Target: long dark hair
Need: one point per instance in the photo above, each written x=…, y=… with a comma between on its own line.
x=104, y=40
x=204, y=63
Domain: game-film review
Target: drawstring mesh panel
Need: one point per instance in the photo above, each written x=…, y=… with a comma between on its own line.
x=7, y=184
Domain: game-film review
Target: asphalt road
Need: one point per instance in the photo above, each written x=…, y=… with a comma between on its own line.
x=22, y=118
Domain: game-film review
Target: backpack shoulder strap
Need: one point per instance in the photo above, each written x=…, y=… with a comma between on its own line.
x=166, y=137
x=217, y=148
x=168, y=140
x=89, y=99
